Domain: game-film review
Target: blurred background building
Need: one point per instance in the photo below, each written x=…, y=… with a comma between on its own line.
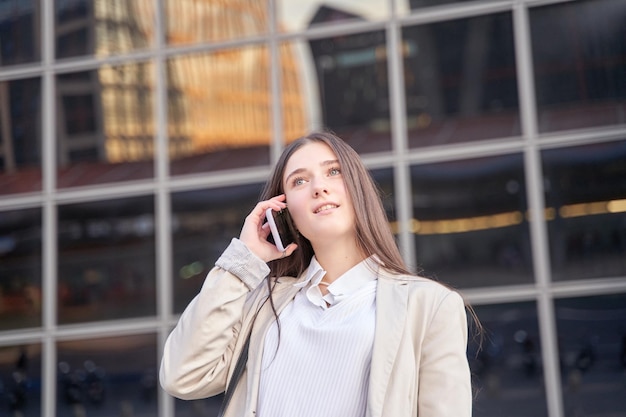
x=136, y=135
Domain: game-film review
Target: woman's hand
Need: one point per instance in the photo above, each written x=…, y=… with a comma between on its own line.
x=255, y=231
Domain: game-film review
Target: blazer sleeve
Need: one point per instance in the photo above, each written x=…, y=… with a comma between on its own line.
x=444, y=374
x=197, y=353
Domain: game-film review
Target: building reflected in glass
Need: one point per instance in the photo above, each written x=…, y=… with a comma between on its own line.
x=135, y=137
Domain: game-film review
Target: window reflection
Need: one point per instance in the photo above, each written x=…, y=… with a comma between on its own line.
x=203, y=223
x=196, y=21
x=219, y=108
x=579, y=63
x=470, y=221
x=460, y=80
x=105, y=125
x=20, y=136
x=107, y=376
x=586, y=191
x=20, y=269
x=208, y=407
x=299, y=99
x=106, y=260
x=415, y=4
x=19, y=31
x=86, y=27
x=384, y=180
x=507, y=373
x=592, y=344
x=20, y=380
x=353, y=89
x=308, y=13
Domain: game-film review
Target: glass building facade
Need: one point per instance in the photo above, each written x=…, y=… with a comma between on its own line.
x=135, y=137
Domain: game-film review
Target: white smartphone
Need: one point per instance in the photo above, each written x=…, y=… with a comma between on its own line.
x=281, y=227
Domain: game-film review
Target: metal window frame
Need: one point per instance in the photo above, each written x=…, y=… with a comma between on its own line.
x=530, y=143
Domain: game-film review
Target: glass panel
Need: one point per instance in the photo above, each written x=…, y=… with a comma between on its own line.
x=300, y=103
x=384, y=180
x=300, y=15
x=112, y=376
x=105, y=125
x=219, y=110
x=106, y=260
x=20, y=269
x=469, y=221
x=586, y=194
x=507, y=372
x=20, y=136
x=416, y=4
x=20, y=380
x=352, y=88
x=592, y=345
x=210, y=21
x=101, y=28
x=208, y=407
x=203, y=223
x=20, y=32
x=578, y=57
x=460, y=80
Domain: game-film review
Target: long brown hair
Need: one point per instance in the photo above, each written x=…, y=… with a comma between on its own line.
x=373, y=233
x=374, y=236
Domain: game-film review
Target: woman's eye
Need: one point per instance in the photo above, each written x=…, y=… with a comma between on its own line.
x=298, y=181
x=335, y=171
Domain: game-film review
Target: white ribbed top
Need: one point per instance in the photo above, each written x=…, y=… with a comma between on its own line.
x=322, y=365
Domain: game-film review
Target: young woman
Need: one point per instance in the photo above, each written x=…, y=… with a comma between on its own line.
x=339, y=326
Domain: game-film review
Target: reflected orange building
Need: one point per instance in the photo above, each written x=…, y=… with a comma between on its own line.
x=216, y=100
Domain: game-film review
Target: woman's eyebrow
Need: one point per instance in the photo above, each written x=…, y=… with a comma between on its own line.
x=294, y=172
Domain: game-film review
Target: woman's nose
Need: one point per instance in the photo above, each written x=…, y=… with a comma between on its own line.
x=319, y=187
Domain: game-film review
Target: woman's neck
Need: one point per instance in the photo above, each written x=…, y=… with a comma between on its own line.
x=337, y=258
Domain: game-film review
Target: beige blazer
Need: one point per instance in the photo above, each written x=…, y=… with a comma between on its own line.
x=419, y=364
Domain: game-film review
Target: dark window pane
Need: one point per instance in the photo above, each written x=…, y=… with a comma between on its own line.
x=20, y=136
x=105, y=125
x=586, y=191
x=110, y=376
x=106, y=260
x=201, y=21
x=219, y=125
x=384, y=180
x=579, y=58
x=208, y=407
x=460, y=80
x=415, y=4
x=20, y=32
x=592, y=345
x=204, y=222
x=85, y=27
x=353, y=89
x=507, y=372
x=20, y=380
x=299, y=15
x=20, y=269
x=469, y=221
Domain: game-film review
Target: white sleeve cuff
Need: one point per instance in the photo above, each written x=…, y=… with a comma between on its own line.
x=239, y=261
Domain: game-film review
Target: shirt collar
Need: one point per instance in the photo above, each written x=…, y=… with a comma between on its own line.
x=349, y=283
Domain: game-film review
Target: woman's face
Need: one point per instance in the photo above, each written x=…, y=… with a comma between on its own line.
x=316, y=195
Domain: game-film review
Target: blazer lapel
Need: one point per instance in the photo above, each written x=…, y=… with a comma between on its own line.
x=391, y=310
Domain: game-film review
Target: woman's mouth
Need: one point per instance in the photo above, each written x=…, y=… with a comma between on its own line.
x=325, y=207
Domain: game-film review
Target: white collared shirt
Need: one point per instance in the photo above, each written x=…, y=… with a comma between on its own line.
x=321, y=365
x=353, y=280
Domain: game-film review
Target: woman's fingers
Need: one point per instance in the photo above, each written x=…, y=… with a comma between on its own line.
x=255, y=231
